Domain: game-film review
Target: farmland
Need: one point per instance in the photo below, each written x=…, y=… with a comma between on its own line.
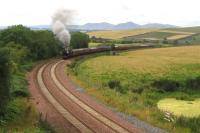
x=119, y=33
x=139, y=82
x=186, y=29
x=152, y=35
x=147, y=34
x=190, y=40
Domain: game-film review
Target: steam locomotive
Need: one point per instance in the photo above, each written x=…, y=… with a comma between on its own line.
x=85, y=51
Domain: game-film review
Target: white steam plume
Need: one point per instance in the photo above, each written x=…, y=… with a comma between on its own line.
x=60, y=21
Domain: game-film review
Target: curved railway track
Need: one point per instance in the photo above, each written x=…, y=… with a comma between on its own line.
x=75, y=107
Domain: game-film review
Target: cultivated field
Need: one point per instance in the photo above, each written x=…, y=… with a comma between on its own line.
x=117, y=34
x=177, y=34
x=148, y=34
x=186, y=29
x=157, y=35
x=138, y=82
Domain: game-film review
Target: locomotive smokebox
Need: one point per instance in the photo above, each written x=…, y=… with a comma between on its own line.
x=67, y=51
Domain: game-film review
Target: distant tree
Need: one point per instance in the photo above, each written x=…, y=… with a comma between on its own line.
x=176, y=42
x=79, y=40
x=187, y=42
x=165, y=41
x=112, y=49
x=93, y=39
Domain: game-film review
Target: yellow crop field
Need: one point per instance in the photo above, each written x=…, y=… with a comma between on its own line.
x=117, y=34
x=178, y=37
x=151, y=60
x=179, y=34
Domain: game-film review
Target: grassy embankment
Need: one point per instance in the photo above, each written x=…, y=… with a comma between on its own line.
x=134, y=82
x=21, y=116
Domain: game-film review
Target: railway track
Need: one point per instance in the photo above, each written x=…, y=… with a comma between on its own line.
x=78, y=108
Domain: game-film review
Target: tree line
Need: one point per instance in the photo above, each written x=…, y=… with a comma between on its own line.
x=19, y=44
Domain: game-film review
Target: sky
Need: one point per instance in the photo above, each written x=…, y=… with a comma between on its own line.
x=39, y=12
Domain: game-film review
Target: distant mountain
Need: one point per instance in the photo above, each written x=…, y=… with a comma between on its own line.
x=128, y=25
x=157, y=25
x=97, y=26
x=105, y=26
x=121, y=26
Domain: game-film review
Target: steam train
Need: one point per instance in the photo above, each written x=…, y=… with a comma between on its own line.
x=85, y=51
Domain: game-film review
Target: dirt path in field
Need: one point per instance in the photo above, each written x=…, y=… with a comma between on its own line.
x=67, y=109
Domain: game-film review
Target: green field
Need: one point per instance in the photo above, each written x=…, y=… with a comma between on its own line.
x=186, y=29
x=135, y=82
x=190, y=40
x=161, y=35
x=152, y=35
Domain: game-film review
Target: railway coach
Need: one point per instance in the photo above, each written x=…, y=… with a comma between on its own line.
x=86, y=51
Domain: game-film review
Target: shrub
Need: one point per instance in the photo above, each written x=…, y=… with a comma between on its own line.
x=150, y=95
x=20, y=93
x=137, y=90
x=14, y=109
x=167, y=85
x=149, y=103
x=133, y=99
x=43, y=124
x=193, y=83
x=72, y=64
x=121, y=90
x=115, y=84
